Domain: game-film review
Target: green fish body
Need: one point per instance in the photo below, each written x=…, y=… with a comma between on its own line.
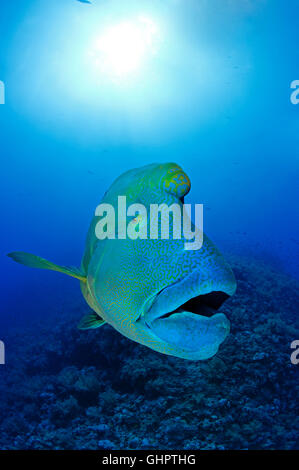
x=153, y=291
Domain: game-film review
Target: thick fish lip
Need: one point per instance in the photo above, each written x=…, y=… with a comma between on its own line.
x=196, y=326
x=193, y=333
x=205, y=305
x=195, y=292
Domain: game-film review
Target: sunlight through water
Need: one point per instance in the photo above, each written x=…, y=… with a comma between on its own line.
x=123, y=48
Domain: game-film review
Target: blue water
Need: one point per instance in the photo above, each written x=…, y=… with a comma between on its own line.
x=214, y=97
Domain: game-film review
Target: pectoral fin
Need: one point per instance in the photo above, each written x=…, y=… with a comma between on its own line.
x=90, y=321
x=37, y=262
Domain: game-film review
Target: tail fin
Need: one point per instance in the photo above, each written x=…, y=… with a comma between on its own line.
x=36, y=262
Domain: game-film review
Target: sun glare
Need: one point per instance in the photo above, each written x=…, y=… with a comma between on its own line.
x=123, y=48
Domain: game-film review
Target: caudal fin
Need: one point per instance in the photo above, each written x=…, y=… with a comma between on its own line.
x=37, y=262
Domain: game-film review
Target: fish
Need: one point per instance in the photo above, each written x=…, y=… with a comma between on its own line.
x=84, y=1
x=153, y=291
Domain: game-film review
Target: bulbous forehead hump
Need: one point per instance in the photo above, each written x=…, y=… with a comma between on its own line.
x=171, y=178
x=166, y=177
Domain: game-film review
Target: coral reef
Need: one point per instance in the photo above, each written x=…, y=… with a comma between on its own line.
x=68, y=389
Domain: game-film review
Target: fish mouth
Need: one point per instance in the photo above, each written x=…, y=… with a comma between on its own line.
x=196, y=328
x=205, y=305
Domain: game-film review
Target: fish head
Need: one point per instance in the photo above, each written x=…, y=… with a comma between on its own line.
x=154, y=291
x=151, y=183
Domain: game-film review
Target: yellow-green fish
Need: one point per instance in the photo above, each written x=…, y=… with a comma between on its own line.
x=153, y=291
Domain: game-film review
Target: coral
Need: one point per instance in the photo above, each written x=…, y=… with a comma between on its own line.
x=68, y=389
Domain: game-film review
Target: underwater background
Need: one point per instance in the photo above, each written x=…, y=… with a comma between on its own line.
x=213, y=94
